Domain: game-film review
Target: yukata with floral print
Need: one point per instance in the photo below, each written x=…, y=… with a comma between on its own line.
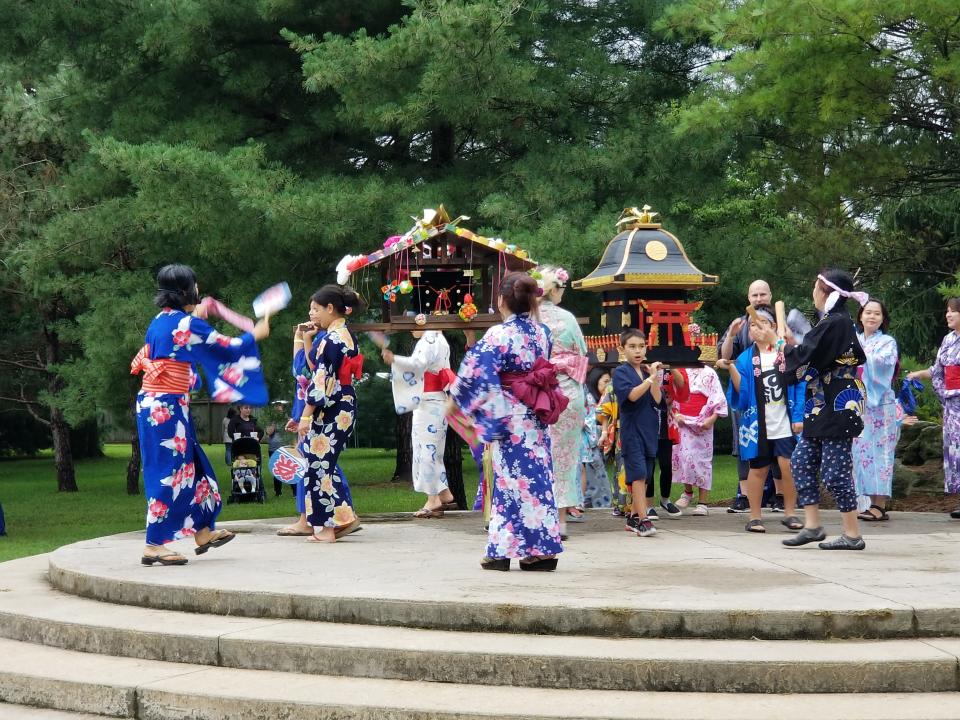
x=302, y=375
x=181, y=488
x=335, y=406
x=945, y=378
x=523, y=514
x=873, y=449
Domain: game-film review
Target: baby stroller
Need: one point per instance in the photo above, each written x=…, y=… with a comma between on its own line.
x=246, y=476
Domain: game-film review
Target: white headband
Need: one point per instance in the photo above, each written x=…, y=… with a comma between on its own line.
x=834, y=297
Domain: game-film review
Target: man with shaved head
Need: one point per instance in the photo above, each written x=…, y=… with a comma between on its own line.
x=735, y=340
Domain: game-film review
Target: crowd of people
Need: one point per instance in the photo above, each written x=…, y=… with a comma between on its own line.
x=809, y=405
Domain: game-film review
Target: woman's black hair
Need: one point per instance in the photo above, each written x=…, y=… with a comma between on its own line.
x=841, y=278
x=343, y=299
x=176, y=287
x=593, y=381
x=231, y=412
x=520, y=292
x=885, y=322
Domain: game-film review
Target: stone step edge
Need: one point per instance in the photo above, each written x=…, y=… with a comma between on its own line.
x=887, y=622
x=37, y=614
x=64, y=680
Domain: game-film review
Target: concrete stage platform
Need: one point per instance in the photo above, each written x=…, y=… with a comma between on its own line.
x=698, y=577
x=398, y=622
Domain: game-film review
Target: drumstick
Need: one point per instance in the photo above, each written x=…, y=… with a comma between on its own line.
x=781, y=313
x=752, y=313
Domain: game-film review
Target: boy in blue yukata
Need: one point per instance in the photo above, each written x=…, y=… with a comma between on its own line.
x=638, y=390
x=771, y=415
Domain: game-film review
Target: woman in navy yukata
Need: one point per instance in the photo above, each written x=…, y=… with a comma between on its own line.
x=329, y=414
x=307, y=338
x=183, y=498
x=507, y=387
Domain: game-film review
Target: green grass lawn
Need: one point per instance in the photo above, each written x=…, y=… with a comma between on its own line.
x=40, y=519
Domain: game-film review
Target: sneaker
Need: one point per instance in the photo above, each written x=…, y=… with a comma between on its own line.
x=670, y=509
x=955, y=514
x=701, y=510
x=807, y=535
x=652, y=514
x=777, y=504
x=844, y=542
x=633, y=524
x=684, y=500
x=618, y=512
x=646, y=529
x=739, y=505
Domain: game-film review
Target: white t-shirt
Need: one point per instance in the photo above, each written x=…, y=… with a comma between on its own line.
x=774, y=398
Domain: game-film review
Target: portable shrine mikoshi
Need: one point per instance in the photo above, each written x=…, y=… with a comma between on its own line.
x=645, y=278
x=436, y=276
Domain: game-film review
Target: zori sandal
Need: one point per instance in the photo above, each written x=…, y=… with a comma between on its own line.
x=220, y=537
x=168, y=558
x=755, y=526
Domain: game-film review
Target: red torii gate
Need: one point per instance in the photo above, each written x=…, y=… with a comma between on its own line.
x=669, y=312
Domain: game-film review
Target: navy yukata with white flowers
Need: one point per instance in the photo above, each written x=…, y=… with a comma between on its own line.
x=335, y=409
x=181, y=487
x=523, y=513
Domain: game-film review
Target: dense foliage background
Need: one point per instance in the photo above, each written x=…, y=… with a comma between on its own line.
x=260, y=140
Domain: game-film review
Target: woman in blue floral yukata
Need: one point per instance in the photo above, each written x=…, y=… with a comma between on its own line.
x=508, y=389
x=183, y=499
x=329, y=414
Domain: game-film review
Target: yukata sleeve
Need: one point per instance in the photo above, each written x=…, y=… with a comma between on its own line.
x=577, y=341
x=477, y=390
x=716, y=401
x=425, y=353
x=623, y=383
x=323, y=384
x=796, y=397
x=880, y=366
x=820, y=347
x=232, y=364
x=741, y=400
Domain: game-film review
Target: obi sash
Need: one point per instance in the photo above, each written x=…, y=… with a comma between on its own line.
x=951, y=377
x=162, y=376
x=571, y=364
x=692, y=407
x=350, y=369
x=438, y=381
x=538, y=390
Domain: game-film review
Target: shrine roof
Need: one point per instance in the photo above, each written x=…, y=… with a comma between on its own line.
x=644, y=255
x=434, y=225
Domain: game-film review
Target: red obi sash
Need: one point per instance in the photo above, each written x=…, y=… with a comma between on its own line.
x=350, y=369
x=951, y=377
x=162, y=376
x=692, y=406
x=537, y=389
x=438, y=382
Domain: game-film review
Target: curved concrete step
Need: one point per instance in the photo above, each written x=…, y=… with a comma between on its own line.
x=33, y=612
x=154, y=690
x=699, y=577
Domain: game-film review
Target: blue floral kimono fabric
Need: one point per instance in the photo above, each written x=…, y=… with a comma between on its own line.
x=181, y=488
x=327, y=497
x=523, y=513
x=302, y=375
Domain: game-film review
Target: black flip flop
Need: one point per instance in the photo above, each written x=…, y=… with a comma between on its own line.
x=546, y=564
x=868, y=516
x=223, y=540
x=168, y=559
x=792, y=523
x=755, y=526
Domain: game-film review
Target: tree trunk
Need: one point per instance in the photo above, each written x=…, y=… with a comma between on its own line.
x=453, y=463
x=133, y=465
x=59, y=429
x=403, y=473
x=62, y=456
